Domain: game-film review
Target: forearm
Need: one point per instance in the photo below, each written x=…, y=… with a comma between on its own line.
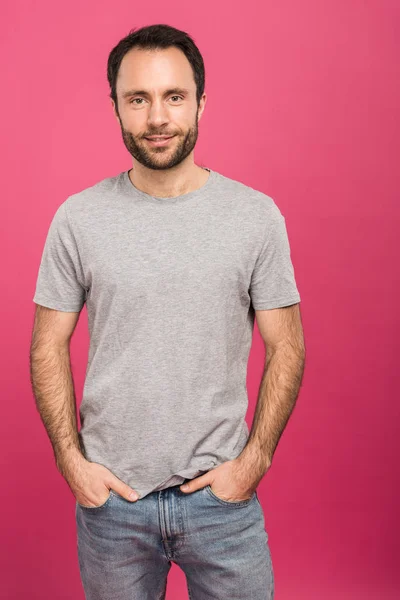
x=277, y=396
x=53, y=388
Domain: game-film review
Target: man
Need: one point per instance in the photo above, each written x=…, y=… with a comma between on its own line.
x=174, y=262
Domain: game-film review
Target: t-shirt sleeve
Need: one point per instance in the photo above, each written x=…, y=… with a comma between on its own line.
x=273, y=283
x=59, y=282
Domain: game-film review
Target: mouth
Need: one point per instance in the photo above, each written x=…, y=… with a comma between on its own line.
x=159, y=140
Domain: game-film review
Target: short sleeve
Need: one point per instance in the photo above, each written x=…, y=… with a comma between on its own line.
x=59, y=283
x=273, y=283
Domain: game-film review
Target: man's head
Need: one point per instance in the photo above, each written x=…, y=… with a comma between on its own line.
x=156, y=75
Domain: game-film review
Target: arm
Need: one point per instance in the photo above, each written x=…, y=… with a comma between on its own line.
x=52, y=382
x=275, y=299
x=60, y=295
x=282, y=333
x=53, y=389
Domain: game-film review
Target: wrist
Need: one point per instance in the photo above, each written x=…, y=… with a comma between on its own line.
x=255, y=459
x=68, y=459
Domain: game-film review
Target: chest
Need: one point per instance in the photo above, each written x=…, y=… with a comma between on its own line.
x=190, y=259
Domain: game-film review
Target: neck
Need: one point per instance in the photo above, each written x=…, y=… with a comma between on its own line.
x=179, y=180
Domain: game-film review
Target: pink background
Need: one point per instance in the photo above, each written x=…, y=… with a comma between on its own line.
x=303, y=101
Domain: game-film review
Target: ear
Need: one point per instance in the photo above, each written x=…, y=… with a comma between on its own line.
x=202, y=105
x=115, y=111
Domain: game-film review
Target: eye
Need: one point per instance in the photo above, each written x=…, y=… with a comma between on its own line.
x=135, y=100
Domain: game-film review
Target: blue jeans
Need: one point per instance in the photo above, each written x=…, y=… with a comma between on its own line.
x=125, y=549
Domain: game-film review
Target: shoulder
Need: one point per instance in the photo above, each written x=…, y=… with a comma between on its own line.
x=248, y=200
x=91, y=198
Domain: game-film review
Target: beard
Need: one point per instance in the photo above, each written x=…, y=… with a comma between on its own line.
x=163, y=157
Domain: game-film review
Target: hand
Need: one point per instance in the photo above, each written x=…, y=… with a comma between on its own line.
x=231, y=481
x=91, y=483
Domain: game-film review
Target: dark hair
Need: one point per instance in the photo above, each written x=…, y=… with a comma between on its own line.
x=155, y=37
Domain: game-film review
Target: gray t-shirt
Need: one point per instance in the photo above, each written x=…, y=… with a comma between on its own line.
x=170, y=286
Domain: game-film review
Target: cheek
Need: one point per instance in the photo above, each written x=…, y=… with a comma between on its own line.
x=183, y=118
x=134, y=121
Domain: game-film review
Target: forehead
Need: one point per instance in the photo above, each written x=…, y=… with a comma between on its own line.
x=155, y=70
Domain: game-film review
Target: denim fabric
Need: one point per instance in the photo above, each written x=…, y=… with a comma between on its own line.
x=125, y=549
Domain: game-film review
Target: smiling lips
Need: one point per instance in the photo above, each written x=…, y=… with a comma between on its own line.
x=159, y=140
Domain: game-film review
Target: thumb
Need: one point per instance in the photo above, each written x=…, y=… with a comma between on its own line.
x=124, y=490
x=195, y=484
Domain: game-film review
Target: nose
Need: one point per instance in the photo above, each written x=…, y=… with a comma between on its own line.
x=158, y=114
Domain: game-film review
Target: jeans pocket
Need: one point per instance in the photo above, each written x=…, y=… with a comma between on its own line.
x=105, y=503
x=227, y=502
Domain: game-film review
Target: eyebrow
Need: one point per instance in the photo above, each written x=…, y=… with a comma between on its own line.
x=176, y=90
